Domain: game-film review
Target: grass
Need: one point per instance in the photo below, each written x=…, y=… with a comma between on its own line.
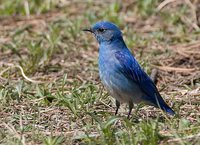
x=69, y=104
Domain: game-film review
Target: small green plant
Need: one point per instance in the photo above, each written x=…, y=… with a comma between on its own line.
x=26, y=7
x=146, y=7
x=70, y=105
x=53, y=140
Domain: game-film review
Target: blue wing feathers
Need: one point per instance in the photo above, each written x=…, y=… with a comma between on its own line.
x=129, y=66
x=132, y=70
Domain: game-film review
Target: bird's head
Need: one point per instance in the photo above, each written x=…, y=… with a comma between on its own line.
x=105, y=31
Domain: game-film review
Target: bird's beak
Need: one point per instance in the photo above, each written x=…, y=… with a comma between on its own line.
x=88, y=30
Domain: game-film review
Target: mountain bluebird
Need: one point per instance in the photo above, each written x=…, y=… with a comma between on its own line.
x=120, y=72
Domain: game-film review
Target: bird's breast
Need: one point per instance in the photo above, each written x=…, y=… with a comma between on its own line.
x=114, y=80
x=106, y=64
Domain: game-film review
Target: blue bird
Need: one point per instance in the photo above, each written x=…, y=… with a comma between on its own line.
x=120, y=72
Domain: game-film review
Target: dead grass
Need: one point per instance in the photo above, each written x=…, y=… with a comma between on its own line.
x=67, y=104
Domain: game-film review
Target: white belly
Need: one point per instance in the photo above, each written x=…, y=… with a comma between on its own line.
x=123, y=91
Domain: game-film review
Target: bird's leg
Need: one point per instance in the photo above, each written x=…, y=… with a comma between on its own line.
x=130, y=109
x=117, y=105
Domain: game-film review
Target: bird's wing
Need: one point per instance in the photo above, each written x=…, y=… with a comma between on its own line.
x=132, y=70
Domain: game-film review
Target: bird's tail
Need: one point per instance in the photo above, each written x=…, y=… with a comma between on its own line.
x=167, y=109
x=162, y=105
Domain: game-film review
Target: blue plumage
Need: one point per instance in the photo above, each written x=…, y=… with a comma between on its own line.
x=120, y=72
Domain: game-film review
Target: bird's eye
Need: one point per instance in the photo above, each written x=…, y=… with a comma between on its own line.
x=101, y=30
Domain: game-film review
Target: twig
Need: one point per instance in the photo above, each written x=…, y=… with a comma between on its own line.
x=198, y=13
x=184, y=138
x=189, y=22
x=193, y=13
x=154, y=75
x=164, y=3
x=168, y=68
x=22, y=72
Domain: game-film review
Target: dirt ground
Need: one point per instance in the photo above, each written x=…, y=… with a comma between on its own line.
x=50, y=90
